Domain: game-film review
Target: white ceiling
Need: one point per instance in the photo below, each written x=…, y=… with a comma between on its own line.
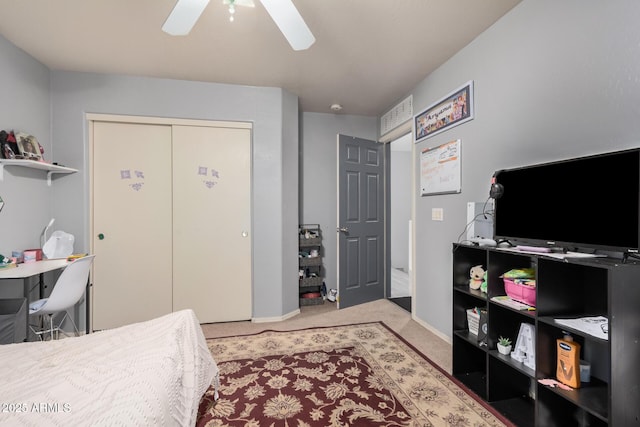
x=368, y=53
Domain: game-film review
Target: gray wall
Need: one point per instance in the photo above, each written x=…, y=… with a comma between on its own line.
x=24, y=106
x=553, y=80
x=318, y=175
x=24, y=90
x=400, y=207
x=290, y=143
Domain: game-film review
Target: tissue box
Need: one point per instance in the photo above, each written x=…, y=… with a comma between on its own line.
x=32, y=255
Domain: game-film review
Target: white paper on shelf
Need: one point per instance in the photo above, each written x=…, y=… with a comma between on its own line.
x=557, y=255
x=509, y=302
x=597, y=326
x=581, y=255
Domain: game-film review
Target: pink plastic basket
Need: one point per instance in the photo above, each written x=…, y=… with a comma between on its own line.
x=521, y=292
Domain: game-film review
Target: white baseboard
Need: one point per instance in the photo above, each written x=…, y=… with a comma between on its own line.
x=275, y=319
x=431, y=329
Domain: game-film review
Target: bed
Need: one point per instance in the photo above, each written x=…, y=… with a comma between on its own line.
x=152, y=373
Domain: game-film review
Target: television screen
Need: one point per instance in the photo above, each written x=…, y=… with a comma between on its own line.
x=587, y=202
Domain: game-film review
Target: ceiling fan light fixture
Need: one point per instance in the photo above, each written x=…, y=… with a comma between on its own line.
x=232, y=11
x=186, y=12
x=232, y=6
x=183, y=17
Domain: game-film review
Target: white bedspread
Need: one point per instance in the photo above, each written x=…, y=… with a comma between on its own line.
x=151, y=373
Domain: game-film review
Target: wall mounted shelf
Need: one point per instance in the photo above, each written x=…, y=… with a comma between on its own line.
x=33, y=164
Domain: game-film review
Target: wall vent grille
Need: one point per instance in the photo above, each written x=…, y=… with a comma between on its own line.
x=397, y=115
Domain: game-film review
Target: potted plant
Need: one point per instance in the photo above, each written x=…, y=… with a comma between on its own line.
x=504, y=345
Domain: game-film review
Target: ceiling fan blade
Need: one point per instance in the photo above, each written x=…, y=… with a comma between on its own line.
x=290, y=22
x=184, y=16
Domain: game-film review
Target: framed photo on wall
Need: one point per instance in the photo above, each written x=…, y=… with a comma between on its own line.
x=28, y=146
x=452, y=110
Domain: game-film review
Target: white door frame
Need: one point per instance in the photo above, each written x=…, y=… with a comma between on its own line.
x=401, y=130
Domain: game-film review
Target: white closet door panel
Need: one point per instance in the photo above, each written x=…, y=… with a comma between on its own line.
x=132, y=223
x=212, y=222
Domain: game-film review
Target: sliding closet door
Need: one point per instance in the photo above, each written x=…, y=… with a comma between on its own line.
x=131, y=223
x=212, y=222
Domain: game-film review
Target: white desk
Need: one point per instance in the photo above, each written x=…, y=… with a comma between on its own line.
x=30, y=269
x=25, y=271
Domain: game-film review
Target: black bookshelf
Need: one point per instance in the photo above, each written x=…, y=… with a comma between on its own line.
x=569, y=287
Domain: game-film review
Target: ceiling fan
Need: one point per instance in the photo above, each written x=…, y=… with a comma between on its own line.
x=186, y=12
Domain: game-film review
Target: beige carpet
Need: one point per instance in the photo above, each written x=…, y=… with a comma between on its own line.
x=360, y=375
x=399, y=320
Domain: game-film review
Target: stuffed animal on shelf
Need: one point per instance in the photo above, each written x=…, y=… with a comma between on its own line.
x=477, y=276
x=483, y=287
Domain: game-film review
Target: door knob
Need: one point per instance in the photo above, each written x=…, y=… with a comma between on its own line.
x=343, y=229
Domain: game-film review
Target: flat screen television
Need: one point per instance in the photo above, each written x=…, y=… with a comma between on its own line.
x=590, y=202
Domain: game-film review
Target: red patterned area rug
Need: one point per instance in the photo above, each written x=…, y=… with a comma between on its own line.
x=353, y=375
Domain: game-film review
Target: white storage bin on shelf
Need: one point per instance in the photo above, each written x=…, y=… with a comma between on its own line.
x=473, y=318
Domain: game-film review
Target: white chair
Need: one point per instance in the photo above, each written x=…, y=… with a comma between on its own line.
x=66, y=293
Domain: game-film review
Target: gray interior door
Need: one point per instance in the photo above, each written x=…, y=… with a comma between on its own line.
x=361, y=225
